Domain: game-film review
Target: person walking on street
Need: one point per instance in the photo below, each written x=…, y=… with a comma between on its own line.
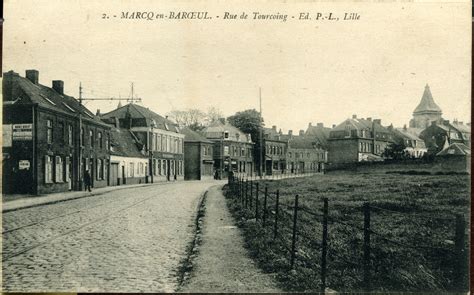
x=87, y=181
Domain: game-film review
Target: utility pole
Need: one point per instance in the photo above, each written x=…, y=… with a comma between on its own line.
x=261, y=134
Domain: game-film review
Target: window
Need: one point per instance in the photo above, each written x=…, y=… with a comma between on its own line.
x=226, y=134
x=158, y=142
x=226, y=150
x=99, y=138
x=131, y=169
x=69, y=135
x=100, y=169
x=58, y=169
x=91, y=138
x=48, y=169
x=165, y=167
x=242, y=152
x=49, y=131
x=107, y=141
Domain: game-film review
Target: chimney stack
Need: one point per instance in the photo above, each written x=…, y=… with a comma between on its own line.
x=58, y=86
x=98, y=112
x=310, y=125
x=333, y=125
x=320, y=124
x=354, y=116
x=33, y=76
x=369, y=119
x=274, y=127
x=301, y=132
x=405, y=127
x=378, y=121
x=290, y=132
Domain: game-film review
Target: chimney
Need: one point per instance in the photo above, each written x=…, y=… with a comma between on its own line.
x=58, y=86
x=461, y=123
x=354, y=116
x=333, y=125
x=274, y=127
x=301, y=132
x=33, y=76
x=378, y=121
x=320, y=124
x=369, y=119
x=309, y=124
x=405, y=127
x=98, y=112
x=290, y=132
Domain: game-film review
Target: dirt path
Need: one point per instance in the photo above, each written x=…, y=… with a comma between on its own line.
x=222, y=264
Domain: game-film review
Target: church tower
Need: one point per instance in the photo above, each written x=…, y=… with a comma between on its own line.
x=426, y=112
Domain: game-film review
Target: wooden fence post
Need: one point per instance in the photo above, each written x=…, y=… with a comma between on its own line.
x=367, y=247
x=265, y=206
x=293, y=241
x=256, y=201
x=275, y=228
x=324, y=252
x=462, y=258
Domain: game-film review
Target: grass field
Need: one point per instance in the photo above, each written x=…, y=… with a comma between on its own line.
x=412, y=216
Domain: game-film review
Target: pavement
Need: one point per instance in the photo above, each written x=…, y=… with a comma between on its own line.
x=123, y=240
x=222, y=263
x=15, y=202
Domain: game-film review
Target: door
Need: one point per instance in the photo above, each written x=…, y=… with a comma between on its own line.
x=123, y=174
x=168, y=169
x=114, y=180
x=68, y=172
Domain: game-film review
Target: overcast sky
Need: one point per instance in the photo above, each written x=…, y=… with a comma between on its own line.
x=309, y=71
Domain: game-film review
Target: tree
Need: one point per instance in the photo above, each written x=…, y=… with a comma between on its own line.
x=213, y=114
x=395, y=151
x=191, y=118
x=248, y=121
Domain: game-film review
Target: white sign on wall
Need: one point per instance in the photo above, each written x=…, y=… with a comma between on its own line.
x=22, y=131
x=7, y=135
x=24, y=165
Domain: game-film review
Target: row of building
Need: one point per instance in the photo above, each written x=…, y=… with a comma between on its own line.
x=50, y=140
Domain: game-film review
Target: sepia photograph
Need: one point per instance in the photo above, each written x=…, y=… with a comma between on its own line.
x=236, y=147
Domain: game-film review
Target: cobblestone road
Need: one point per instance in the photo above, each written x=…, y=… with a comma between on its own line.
x=128, y=240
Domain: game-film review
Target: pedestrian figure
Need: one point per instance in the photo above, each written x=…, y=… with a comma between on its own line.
x=87, y=181
x=216, y=175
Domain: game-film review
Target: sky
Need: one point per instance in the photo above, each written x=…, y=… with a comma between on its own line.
x=308, y=71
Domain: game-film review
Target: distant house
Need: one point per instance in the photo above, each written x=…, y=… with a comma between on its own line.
x=455, y=157
x=49, y=138
x=304, y=155
x=358, y=140
x=275, y=151
x=414, y=146
x=436, y=134
x=161, y=138
x=319, y=134
x=233, y=149
x=128, y=159
x=198, y=156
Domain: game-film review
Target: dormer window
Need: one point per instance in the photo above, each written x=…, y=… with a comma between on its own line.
x=166, y=126
x=226, y=134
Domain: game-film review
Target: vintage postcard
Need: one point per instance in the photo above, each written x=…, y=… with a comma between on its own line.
x=236, y=146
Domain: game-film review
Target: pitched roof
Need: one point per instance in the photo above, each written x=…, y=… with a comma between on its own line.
x=148, y=117
x=461, y=127
x=124, y=143
x=427, y=103
x=360, y=124
x=320, y=133
x=216, y=129
x=48, y=98
x=193, y=136
x=455, y=149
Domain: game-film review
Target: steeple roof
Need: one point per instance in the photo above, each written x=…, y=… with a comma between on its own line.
x=427, y=103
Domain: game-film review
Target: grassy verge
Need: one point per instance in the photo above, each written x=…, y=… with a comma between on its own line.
x=414, y=220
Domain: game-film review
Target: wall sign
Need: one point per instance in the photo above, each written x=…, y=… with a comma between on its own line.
x=24, y=165
x=22, y=131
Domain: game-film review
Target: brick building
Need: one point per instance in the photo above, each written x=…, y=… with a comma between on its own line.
x=198, y=156
x=275, y=151
x=453, y=132
x=414, y=146
x=161, y=138
x=304, y=155
x=358, y=140
x=128, y=159
x=319, y=134
x=233, y=149
x=49, y=139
